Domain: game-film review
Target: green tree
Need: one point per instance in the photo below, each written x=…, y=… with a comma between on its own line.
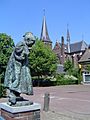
x=42, y=60
x=88, y=67
x=6, y=47
x=68, y=66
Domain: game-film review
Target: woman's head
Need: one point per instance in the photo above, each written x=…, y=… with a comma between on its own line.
x=29, y=39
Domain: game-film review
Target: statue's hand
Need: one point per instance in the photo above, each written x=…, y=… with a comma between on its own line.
x=19, y=58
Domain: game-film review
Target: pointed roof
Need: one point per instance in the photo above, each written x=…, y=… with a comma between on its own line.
x=68, y=40
x=44, y=31
x=68, y=35
x=57, y=45
x=86, y=57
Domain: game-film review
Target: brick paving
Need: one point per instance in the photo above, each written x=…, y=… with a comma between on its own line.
x=66, y=102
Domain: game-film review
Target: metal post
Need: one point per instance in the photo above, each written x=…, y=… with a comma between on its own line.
x=46, y=102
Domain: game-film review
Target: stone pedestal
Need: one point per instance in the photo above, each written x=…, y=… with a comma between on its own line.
x=30, y=112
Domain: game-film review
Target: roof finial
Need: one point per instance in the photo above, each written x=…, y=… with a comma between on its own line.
x=68, y=35
x=44, y=11
x=82, y=37
x=67, y=25
x=44, y=31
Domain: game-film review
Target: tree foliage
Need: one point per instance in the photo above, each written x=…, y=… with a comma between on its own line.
x=42, y=60
x=68, y=65
x=6, y=47
x=88, y=67
x=71, y=70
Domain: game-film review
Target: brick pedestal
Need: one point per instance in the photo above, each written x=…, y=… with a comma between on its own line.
x=30, y=112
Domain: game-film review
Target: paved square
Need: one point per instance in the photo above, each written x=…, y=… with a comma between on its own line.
x=70, y=102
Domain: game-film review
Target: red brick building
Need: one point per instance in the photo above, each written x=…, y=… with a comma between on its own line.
x=63, y=51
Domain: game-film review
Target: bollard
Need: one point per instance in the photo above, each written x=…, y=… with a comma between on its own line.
x=46, y=102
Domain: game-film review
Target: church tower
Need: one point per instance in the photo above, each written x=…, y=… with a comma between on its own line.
x=44, y=33
x=68, y=40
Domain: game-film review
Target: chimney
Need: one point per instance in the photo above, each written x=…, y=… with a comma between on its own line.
x=62, y=50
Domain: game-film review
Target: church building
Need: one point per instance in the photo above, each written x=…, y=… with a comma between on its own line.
x=44, y=33
x=64, y=51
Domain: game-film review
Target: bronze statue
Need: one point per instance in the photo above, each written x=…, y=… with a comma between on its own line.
x=17, y=77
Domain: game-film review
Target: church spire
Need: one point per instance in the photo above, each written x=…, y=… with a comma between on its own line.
x=68, y=40
x=44, y=32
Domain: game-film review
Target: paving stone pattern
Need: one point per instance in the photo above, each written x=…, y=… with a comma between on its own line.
x=66, y=102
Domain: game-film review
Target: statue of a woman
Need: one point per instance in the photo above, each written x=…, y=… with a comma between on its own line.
x=17, y=77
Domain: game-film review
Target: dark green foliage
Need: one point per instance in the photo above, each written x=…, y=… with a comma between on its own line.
x=67, y=82
x=6, y=47
x=61, y=80
x=43, y=61
x=75, y=72
x=70, y=70
x=42, y=82
x=2, y=91
x=68, y=66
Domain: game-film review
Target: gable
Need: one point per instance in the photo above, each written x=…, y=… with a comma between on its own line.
x=84, y=45
x=86, y=57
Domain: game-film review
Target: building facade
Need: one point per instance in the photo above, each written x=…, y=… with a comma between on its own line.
x=64, y=51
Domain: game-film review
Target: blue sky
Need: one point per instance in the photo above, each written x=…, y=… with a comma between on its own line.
x=20, y=16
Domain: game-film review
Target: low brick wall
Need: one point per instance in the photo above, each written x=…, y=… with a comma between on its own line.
x=30, y=115
x=28, y=112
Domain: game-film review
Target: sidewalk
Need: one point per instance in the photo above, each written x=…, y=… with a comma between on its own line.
x=66, y=102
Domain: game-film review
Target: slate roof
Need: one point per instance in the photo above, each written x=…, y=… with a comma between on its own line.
x=44, y=32
x=86, y=57
x=74, y=48
x=78, y=46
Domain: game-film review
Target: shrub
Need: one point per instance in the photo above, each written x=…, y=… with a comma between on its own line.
x=42, y=82
x=66, y=80
x=2, y=91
